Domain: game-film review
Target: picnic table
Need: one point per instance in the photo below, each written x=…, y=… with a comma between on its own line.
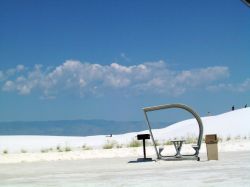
x=178, y=146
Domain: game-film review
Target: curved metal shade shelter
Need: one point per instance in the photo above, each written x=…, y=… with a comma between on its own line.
x=181, y=106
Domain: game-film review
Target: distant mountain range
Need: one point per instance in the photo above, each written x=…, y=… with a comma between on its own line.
x=74, y=127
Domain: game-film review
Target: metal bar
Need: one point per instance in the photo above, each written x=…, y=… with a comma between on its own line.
x=150, y=131
x=144, y=148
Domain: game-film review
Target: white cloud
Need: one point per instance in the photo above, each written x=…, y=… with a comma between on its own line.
x=86, y=78
x=244, y=86
x=9, y=86
x=11, y=72
x=241, y=87
x=201, y=76
x=121, y=69
x=20, y=67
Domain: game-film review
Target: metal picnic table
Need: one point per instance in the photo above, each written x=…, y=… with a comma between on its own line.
x=178, y=146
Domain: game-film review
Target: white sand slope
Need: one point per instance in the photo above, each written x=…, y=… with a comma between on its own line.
x=230, y=124
x=233, y=123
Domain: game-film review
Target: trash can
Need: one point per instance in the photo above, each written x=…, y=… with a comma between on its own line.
x=212, y=146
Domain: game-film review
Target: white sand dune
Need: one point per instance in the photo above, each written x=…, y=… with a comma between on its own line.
x=233, y=124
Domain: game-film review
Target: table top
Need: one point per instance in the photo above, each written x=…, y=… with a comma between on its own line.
x=177, y=140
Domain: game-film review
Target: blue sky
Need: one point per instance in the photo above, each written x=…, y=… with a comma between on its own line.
x=108, y=59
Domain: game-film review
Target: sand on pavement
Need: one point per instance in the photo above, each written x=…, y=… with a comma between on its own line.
x=232, y=169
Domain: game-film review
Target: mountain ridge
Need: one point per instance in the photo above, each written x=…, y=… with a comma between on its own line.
x=79, y=127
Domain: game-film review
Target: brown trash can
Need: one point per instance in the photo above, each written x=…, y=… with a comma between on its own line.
x=212, y=146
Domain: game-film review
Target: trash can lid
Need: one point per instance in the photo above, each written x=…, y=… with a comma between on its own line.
x=211, y=138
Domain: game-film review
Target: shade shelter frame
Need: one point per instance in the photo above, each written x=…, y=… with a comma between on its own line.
x=179, y=106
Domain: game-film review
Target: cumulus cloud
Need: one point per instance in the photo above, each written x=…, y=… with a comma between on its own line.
x=4, y=75
x=241, y=87
x=86, y=78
